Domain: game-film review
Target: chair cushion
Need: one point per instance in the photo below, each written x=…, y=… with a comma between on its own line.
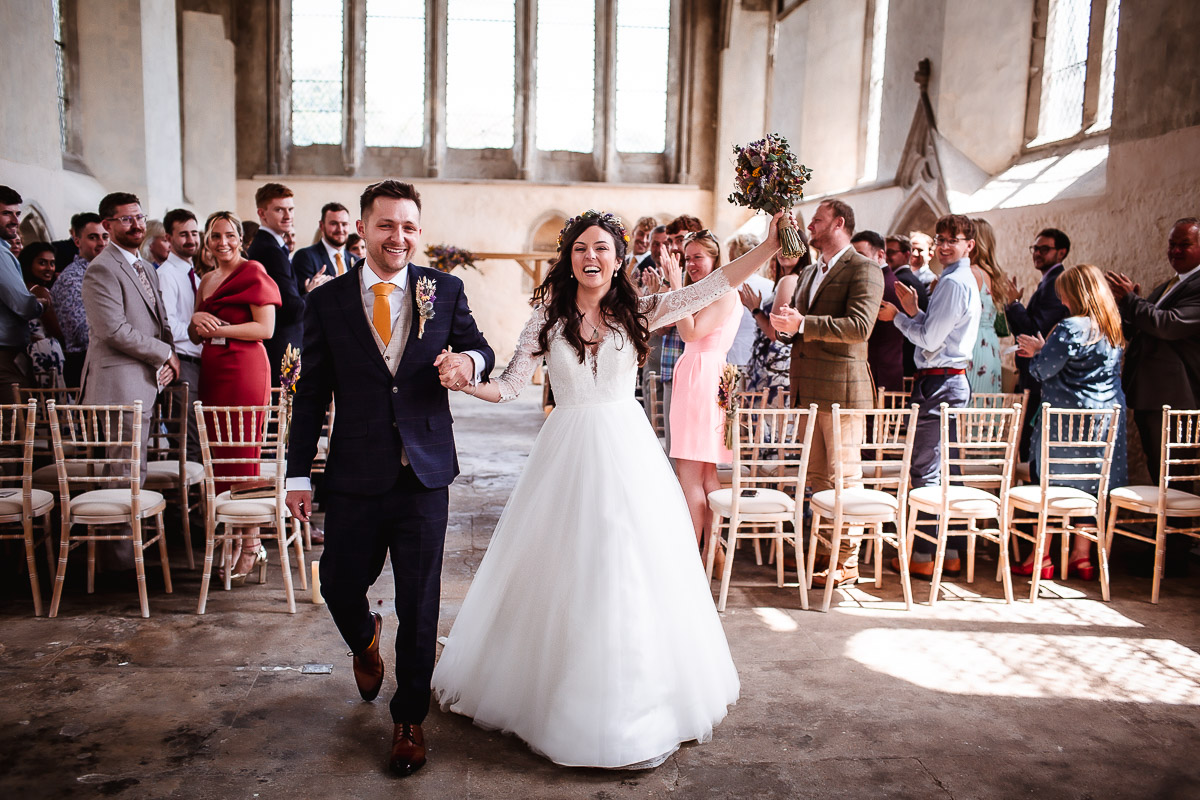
x=980, y=469
x=266, y=469
x=10, y=502
x=1062, y=499
x=165, y=474
x=765, y=501
x=964, y=500
x=110, y=502
x=857, y=503
x=247, y=507
x=47, y=477
x=725, y=473
x=1146, y=498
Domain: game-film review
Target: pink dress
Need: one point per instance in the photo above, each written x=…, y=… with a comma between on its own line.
x=697, y=422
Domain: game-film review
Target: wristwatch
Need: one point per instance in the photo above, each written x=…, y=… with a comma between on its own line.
x=754, y=312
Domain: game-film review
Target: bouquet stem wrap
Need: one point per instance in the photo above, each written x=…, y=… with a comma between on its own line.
x=789, y=239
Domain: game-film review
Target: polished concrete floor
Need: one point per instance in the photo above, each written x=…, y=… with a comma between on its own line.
x=1068, y=698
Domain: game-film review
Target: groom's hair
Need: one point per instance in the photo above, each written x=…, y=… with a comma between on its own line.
x=389, y=188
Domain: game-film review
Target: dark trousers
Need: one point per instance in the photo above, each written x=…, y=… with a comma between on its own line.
x=1149, y=425
x=929, y=392
x=189, y=373
x=73, y=368
x=1031, y=416
x=408, y=521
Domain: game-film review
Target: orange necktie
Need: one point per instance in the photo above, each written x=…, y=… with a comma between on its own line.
x=341, y=265
x=381, y=312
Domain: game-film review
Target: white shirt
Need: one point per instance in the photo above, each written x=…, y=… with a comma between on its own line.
x=179, y=296
x=823, y=268
x=1175, y=286
x=132, y=258
x=946, y=331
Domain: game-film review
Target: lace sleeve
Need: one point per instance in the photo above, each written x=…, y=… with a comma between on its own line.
x=663, y=309
x=520, y=367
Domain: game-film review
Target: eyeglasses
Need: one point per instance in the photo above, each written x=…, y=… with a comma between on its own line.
x=1040, y=249
x=941, y=240
x=128, y=219
x=704, y=234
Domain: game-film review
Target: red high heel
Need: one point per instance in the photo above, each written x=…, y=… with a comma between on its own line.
x=1082, y=567
x=1027, y=569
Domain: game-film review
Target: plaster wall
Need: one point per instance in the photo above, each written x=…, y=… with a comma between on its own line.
x=210, y=133
x=160, y=103
x=1158, y=71
x=28, y=124
x=914, y=32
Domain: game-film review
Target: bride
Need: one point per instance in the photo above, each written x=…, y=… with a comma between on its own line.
x=589, y=630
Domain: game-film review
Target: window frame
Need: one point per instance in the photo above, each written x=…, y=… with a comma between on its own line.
x=70, y=122
x=523, y=161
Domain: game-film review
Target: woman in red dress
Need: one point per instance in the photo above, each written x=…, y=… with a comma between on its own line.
x=235, y=312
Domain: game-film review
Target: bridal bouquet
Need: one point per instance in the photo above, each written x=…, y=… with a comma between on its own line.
x=289, y=376
x=446, y=258
x=727, y=399
x=770, y=178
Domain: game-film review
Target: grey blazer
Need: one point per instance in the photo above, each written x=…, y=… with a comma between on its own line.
x=128, y=337
x=1162, y=359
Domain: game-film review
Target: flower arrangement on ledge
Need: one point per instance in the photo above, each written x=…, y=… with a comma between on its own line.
x=769, y=177
x=447, y=258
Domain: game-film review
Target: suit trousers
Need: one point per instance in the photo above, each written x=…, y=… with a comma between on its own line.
x=824, y=464
x=929, y=392
x=409, y=522
x=12, y=370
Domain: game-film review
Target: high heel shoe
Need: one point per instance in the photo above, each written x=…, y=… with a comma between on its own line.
x=259, y=563
x=1027, y=569
x=1083, y=567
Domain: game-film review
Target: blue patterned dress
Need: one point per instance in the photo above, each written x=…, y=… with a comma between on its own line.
x=985, y=373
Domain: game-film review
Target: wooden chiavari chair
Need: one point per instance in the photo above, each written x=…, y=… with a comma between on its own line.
x=20, y=503
x=168, y=469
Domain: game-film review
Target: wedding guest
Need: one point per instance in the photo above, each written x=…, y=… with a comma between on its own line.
x=45, y=351
x=276, y=213
x=885, y=348
x=640, y=251
x=898, y=251
x=697, y=422
x=18, y=304
x=986, y=373
x=156, y=246
x=921, y=255
x=90, y=238
x=289, y=241
x=828, y=322
x=17, y=244
x=356, y=247
x=945, y=338
x=649, y=281
x=742, y=348
x=234, y=314
x=179, y=281
x=672, y=343
x=327, y=258
x=770, y=361
x=1045, y=310
x=1079, y=366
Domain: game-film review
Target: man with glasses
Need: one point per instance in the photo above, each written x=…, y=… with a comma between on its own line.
x=1045, y=310
x=945, y=337
x=130, y=354
x=17, y=304
x=898, y=252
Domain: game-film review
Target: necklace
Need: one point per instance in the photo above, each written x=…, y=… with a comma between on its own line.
x=595, y=327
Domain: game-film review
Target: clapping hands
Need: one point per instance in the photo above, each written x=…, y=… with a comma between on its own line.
x=907, y=297
x=1029, y=346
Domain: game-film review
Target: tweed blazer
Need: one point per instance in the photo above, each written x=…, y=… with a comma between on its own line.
x=829, y=359
x=128, y=337
x=1162, y=360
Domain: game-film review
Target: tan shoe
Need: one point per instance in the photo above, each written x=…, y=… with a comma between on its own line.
x=952, y=568
x=840, y=576
x=368, y=666
x=408, y=749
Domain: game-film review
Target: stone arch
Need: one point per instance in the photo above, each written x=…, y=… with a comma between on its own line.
x=918, y=212
x=543, y=238
x=34, y=227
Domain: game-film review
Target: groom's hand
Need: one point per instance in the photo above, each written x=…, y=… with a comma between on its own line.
x=300, y=504
x=455, y=370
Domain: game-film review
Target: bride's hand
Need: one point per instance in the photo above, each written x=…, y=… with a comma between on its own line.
x=773, y=229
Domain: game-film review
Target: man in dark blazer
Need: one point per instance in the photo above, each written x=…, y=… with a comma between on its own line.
x=276, y=210
x=898, y=252
x=328, y=258
x=369, y=347
x=885, y=348
x=1045, y=310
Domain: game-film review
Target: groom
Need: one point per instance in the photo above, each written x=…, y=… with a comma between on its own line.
x=386, y=362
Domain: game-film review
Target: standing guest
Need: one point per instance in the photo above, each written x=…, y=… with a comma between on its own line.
x=639, y=254
x=828, y=323
x=356, y=247
x=90, y=238
x=45, y=350
x=697, y=422
x=249, y=234
x=1079, y=366
x=234, y=314
x=156, y=246
x=276, y=210
x=65, y=250
x=672, y=344
x=742, y=349
x=17, y=244
x=649, y=280
x=921, y=255
x=327, y=259
x=129, y=355
x=945, y=339
x=18, y=304
x=179, y=282
x=898, y=250
x=986, y=374
x=885, y=348
x=289, y=241
x=771, y=359
x=1045, y=310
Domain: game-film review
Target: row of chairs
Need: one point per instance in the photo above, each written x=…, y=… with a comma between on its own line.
x=977, y=496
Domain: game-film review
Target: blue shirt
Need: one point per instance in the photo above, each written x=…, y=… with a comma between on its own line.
x=945, y=332
x=17, y=304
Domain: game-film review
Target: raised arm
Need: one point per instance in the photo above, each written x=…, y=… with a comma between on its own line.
x=516, y=375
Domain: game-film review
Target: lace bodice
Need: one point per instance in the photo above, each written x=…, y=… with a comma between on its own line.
x=609, y=371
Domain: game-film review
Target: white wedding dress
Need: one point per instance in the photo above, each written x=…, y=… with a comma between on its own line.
x=589, y=630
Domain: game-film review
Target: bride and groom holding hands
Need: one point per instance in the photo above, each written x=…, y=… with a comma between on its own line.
x=589, y=629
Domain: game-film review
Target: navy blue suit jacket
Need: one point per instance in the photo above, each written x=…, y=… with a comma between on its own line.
x=376, y=412
x=1044, y=311
x=289, y=317
x=307, y=262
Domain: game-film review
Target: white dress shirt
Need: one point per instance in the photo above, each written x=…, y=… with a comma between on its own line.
x=333, y=254
x=179, y=297
x=823, y=268
x=946, y=331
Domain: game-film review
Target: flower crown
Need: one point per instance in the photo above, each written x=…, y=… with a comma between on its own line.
x=606, y=216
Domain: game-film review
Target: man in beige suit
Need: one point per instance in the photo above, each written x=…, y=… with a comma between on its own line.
x=130, y=355
x=828, y=322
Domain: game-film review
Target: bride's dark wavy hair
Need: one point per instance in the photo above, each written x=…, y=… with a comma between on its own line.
x=618, y=307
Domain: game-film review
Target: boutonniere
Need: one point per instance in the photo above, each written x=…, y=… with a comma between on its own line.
x=426, y=294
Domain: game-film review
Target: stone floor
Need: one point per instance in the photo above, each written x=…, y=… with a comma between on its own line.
x=1071, y=698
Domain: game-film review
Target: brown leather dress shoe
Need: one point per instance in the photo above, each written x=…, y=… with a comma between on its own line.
x=368, y=666
x=840, y=576
x=951, y=568
x=408, y=749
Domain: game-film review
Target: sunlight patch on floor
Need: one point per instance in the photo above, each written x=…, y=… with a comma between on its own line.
x=776, y=620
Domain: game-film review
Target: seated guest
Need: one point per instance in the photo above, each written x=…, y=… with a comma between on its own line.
x=18, y=304
x=986, y=373
x=885, y=348
x=945, y=339
x=327, y=259
x=156, y=246
x=90, y=238
x=920, y=256
x=1079, y=366
x=743, y=343
x=45, y=352
x=356, y=247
